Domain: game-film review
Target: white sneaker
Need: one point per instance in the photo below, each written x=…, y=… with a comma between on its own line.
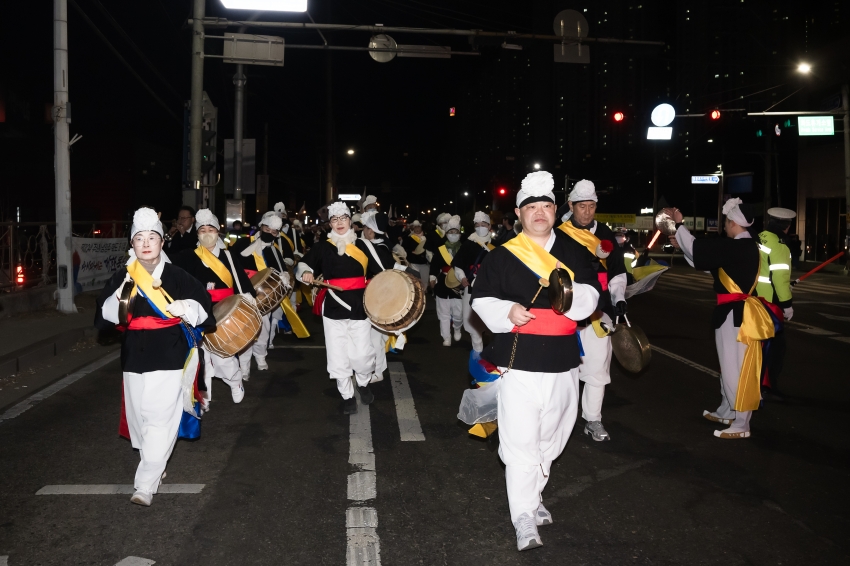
x=527, y=536
x=238, y=393
x=447, y=342
x=246, y=371
x=261, y=364
x=142, y=498
x=376, y=377
x=542, y=516
x=457, y=335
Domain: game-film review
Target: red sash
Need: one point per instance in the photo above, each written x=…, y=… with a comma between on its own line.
x=251, y=273
x=603, y=279
x=347, y=284
x=152, y=323
x=219, y=294
x=724, y=298
x=547, y=323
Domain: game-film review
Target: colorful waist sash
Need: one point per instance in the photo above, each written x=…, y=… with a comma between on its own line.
x=347, y=284
x=152, y=323
x=547, y=323
x=219, y=294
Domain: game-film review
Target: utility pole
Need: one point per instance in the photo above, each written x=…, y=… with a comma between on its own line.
x=768, y=155
x=845, y=105
x=196, y=118
x=329, y=133
x=62, y=157
x=239, y=80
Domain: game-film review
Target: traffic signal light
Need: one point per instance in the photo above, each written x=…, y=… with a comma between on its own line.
x=503, y=191
x=714, y=114
x=619, y=117
x=208, y=151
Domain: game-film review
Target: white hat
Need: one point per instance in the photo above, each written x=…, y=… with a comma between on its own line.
x=368, y=219
x=416, y=223
x=205, y=217
x=338, y=208
x=536, y=187
x=481, y=216
x=296, y=223
x=357, y=218
x=443, y=217
x=370, y=199
x=733, y=212
x=280, y=209
x=272, y=220
x=781, y=213
x=583, y=190
x=453, y=223
x=145, y=219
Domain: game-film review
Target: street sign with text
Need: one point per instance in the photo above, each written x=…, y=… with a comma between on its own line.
x=815, y=126
x=705, y=180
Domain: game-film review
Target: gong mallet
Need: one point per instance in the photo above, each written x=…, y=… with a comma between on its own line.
x=326, y=285
x=543, y=283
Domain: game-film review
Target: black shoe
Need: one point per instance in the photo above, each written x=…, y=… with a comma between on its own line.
x=349, y=406
x=366, y=395
x=772, y=396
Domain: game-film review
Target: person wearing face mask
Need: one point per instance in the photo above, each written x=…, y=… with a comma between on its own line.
x=437, y=236
x=414, y=245
x=369, y=203
x=165, y=315
x=466, y=263
x=221, y=272
x=346, y=262
x=606, y=256
x=449, y=303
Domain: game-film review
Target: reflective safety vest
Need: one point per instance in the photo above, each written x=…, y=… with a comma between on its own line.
x=630, y=257
x=774, y=283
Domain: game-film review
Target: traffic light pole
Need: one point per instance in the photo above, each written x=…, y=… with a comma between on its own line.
x=845, y=105
x=239, y=104
x=62, y=163
x=196, y=118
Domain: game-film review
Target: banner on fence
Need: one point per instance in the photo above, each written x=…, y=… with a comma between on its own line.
x=96, y=259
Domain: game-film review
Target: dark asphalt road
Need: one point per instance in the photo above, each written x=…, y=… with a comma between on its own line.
x=276, y=467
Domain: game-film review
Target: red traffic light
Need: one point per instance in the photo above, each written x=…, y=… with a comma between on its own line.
x=502, y=191
x=619, y=116
x=714, y=115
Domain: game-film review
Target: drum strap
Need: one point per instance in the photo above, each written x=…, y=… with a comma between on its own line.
x=374, y=253
x=233, y=270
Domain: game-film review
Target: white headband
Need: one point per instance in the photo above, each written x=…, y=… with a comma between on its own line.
x=733, y=212
x=146, y=219
x=536, y=187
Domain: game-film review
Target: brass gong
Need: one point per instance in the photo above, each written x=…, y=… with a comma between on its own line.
x=560, y=290
x=125, y=303
x=631, y=346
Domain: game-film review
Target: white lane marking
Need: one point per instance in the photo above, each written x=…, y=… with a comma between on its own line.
x=686, y=361
x=27, y=403
x=363, y=547
x=842, y=338
x=296, y=347
x=834, y=316
x=116, y=489
x=584, y=482
x=408, y=420
x=810, y=329
x=136, y=561
x=4, y=561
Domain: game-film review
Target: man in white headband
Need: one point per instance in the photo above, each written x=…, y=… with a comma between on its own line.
x=535, y=348
x=447, y=288
x=414, y=245
x=369, y=203
x=164, y=315
x=221, y=272
x=345, y=261
x=740, y=320
x=601, y=249
x=466, y=263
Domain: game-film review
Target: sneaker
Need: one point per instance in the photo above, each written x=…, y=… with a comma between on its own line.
x=238, y=393
x=527, y=536
x=142, y=498
x=261, y=364
x=349, y=406
x=542, y=516
x=287, y=332
x=376, y=377
x=457, y=335
x=716, y=419
x=447, y=342
x=246, y=370
x=596, y=431
x=366, y=395
x=731, y=435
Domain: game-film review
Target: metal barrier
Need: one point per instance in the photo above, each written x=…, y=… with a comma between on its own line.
x=28, y=249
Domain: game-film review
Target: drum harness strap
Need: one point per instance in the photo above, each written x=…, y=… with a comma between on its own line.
x=233, y=270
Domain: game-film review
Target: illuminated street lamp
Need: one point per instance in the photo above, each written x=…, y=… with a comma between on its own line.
x=537, y=166
x=267, y=5
x=350, y=152
x=804, y=68
x=466, y=194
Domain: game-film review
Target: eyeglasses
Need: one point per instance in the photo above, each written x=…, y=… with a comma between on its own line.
x=339, y=219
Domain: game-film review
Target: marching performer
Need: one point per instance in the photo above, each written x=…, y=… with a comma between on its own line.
x=344, y=261
x=414, y=245
x=437, y=236
x=168, y=307
x=466, y=263
x=535, y=349
x=606, y=257
x=220, y=271
x=740, y=320
x=449, y=303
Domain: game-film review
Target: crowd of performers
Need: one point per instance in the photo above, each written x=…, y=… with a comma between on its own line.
x=485, y=281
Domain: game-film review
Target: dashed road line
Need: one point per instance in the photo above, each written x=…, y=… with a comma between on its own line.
x=4, y=561
x=27, y=403
x=686, y=361
x=408, y=419
x=363, y=545
x=136, y=561
x=842, y=338
x=835, y=317
x=117, y=489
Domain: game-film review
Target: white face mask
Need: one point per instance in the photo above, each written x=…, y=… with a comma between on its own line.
x=453, y=237
x=286, y=229
x=207, y=239
x=482, y=231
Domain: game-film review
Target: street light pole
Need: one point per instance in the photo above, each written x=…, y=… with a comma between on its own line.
x=62, y=164
x=239, y=80
x=845, y=105
x=196, y=101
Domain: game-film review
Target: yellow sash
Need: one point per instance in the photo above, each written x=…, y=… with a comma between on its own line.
x=447, y=257
x=415, y=238
x=584, y=237
x=490, y=247
x=420, y=247
x=533, y=256
x=144, y=281
x=294, y=320
x=215, y=264
x=288, y=241
x=354, y=252
x=755, y=326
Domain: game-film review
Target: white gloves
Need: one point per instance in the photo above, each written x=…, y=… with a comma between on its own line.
x=127, y=279
x=789, y=312
x=288, y=261
x=250, y=298
x=178, y=308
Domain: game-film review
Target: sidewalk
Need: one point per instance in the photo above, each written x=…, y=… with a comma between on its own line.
x=38, y=348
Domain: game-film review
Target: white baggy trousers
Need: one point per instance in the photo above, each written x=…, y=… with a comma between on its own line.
x=449, y=313
x=153, y=404
x=379, y=344
x=731, y=355
x=348, y=344
x=472, y=323
x=595, y=370
x=536, y=412
x=227, y=369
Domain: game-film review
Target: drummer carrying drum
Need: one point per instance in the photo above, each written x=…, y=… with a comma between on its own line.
x=447, y=287
x=221, y=274
x=345, y=262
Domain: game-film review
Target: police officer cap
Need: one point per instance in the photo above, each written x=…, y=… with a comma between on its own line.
x=781, y=213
